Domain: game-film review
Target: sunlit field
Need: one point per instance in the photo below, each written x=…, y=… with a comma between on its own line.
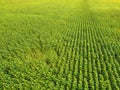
x=59, y=44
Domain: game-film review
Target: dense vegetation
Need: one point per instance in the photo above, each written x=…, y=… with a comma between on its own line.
x=59, y=45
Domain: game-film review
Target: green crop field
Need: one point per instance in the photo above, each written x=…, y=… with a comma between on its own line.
x=59, y=44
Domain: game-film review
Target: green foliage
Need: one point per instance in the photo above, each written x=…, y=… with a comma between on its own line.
x=59, y=45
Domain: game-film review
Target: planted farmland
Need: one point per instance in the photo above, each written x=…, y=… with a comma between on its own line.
x=60, y=45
